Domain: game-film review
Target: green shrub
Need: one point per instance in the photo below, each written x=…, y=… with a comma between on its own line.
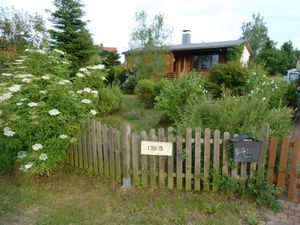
x=109, y=99
x=147, y=90
x=232, y=76
x=244, y=114
x=176, y=95
x=42, y=108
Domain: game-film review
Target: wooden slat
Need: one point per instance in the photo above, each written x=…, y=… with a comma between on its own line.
x=292, y=189
x=126, y=132
x=244, y=171
x=85, y=148
x=89, y=141
x=261, y=164
x=225, y=150
x=272, y=158
x=94, y=147
x=179, y=163
x=197, y=180
x=99, y=148
x=144, y=163
x=80, y=151
x=216, y=163
x=135, y=162
x=283, y=162
x=152, y=162
x=76, y=154
x=170, y=161
x=253, y=167
x=206, y=159
x=105, y=151
x=111, y=152
x=162, y=161
x=118, y=156
x=188, y=160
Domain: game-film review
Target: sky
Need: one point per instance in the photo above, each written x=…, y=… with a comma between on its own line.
x=111, y=21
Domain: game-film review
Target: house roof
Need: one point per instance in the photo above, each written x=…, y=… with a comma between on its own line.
x=208, y=45
x=110, y=49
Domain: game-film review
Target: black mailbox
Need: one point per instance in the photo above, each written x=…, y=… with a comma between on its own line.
x=246, y=149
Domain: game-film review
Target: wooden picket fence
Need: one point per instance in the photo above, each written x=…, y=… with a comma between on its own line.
x=199, y=158
x=283, y=165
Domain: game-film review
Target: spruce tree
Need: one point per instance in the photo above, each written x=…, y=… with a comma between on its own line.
x=69, y=32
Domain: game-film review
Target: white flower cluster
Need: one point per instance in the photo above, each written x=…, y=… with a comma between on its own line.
x=43, y=157
x=7, y=74
x=86, y=101
x=88, y=90
x=63, y=136
x=32, y=104
x=8, y=132
x=58, y=51
x=63, y=82
x=85, y=70
x=22, y=154
x=26, y=80
x=6, y=96
x=15, y=88
x=24, y=75
x=54, y=112
x=37, y=147
x=93, y=112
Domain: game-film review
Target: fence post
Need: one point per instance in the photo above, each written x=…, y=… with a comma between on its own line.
x=126, y=156
x=262, y=159
x=292, y=186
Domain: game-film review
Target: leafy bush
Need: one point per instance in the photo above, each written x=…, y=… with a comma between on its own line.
x=244, y=114
x=42, y=108
x=176, y=95
x=109, y=99
x=232, y=76
x=147, y=90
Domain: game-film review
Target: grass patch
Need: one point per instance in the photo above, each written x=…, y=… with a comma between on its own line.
x=133, y=112
x=74, y=198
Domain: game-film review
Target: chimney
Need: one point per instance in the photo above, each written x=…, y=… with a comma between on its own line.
x=186, y=37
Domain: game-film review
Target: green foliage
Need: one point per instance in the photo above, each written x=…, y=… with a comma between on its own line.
x=228, y=184
x=112, y=65
x=277, y=61
x=109, y=99
x=70, y=33
x=42, y=108
x=244, y=114
x=232, y=76
x=147, y=90
x=176, y=95
x=235, y=53
x=256, y=33
x=264, y=193
x=211, y=208
x=18, y=31
x=148, y=43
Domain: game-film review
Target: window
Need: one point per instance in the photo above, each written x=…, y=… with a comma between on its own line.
x=204, y=61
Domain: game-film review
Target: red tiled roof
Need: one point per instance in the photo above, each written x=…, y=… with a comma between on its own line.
x=110, y=49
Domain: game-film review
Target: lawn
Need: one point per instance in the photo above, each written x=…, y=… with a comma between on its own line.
x=73, y=197
x=132, y=111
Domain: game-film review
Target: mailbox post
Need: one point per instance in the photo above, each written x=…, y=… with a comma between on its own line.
x=246, y=149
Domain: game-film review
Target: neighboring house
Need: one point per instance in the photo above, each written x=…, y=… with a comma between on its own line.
x=201, y=56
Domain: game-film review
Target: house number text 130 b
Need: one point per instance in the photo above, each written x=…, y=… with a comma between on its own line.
x=156, y=148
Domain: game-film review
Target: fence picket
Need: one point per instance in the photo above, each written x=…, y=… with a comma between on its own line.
x=80, y=151
x=283, y=162
x=216, y=163
x=170, y=161
x=292, y=190
x=226, y=138
x=197, y=170
x=272, y=158
x=118, y=156
x=206, y=182
x=99, y=148
x=152, y=162
x=179, y=163
x=105, y=151
x=89, y=141
x=161, y=161
x=126, y=154
x=188, y=160
x=76, y=154
x=135, y=162
x=144, y=162
x=111, y=152
x=94, y=147
x=85, y=148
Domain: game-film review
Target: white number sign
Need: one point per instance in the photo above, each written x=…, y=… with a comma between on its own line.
x=156, y=148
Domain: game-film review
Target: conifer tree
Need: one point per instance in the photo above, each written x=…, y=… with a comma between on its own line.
x=69, y=32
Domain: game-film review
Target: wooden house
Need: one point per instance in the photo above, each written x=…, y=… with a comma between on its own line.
x=200, y=57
